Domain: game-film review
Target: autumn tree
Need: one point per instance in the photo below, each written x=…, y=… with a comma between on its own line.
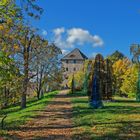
x=17, y=41
x=9, y=77
x=129, y=86
x=46, y=65
x=19, y=46
x=9, y=17
x=119, y=69
x=9, y=11
x=26, y=42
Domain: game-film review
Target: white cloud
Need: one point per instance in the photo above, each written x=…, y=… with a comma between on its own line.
x=59, y=37
x=44, y=32
x=97, y=41
x=66, y=39
x=65, y=52
x=81, y=36
x=59, y=31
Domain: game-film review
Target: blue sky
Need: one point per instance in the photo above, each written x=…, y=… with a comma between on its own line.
x=104, y=25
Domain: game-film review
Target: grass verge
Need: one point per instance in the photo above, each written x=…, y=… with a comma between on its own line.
x=117, y=120
x=17, y=116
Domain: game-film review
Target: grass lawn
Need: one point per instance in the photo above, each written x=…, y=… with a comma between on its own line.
x=17, y=117
x=118, y=120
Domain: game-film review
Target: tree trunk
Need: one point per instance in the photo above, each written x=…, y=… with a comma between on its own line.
x=5, y=95
x=23, y=100
x=25, y=81
x=39, y=91
x=37, y=87
x=39, y=81
x=38, y=94
x=42, y=93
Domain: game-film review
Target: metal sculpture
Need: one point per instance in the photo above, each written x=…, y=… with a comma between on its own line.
x=97, y=82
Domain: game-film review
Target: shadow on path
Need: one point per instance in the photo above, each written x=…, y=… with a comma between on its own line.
x=52, y=123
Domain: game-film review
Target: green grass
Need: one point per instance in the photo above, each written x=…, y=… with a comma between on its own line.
x=117, y=120
x=17, y=116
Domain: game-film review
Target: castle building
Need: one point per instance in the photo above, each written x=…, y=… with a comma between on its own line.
x=72, y=63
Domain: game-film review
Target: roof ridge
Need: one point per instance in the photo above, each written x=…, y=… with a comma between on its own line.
x=83, y=54
x=77, y=52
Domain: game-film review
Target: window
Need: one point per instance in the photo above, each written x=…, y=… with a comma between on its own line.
x=67, y=69
x=74, y=61
x=74, y=69
x=66, y=61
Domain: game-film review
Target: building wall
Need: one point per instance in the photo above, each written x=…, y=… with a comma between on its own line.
x=70, y=67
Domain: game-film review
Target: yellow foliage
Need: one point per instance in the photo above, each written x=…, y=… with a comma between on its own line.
x=1, y=27
x=79, y=76
x=129, y=85
x=16, y=47
x=125, y=77
x=9, y=21
x=3, y=2
x=78, y=79
x=120, y=66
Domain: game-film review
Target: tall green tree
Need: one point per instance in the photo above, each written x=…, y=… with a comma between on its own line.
x=116, y=56
x=9, y=76
x=135, y=51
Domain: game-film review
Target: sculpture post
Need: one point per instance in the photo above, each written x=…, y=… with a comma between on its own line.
x=97, y=83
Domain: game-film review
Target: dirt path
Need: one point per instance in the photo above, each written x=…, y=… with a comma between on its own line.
x=52, y=123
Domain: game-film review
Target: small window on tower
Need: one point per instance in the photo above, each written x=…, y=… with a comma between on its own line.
x=74, y=61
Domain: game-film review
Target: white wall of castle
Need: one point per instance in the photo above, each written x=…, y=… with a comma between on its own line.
x=70, y=67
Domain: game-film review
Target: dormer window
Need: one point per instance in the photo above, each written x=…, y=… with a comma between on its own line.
x=72, y=55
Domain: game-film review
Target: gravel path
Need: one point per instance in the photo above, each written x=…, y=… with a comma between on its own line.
x=52, y=123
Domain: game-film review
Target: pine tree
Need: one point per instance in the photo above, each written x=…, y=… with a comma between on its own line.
x=73, y=85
